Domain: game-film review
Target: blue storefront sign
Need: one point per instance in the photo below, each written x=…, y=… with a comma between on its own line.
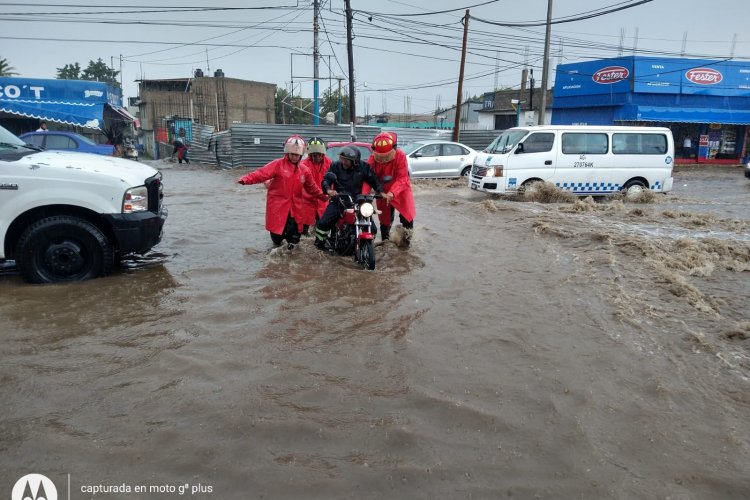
x=652, y=89
x=74, y=102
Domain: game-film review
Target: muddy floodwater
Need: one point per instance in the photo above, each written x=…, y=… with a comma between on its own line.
x=545, y=348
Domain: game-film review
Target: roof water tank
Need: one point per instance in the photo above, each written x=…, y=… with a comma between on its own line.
x=218, y=73
x=198, y=73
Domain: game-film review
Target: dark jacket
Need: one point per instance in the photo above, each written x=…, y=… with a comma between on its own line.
x=350, y=181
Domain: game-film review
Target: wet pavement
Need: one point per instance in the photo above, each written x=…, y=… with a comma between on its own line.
x=519, y=349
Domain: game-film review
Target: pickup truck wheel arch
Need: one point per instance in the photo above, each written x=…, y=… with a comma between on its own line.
x=63, y=248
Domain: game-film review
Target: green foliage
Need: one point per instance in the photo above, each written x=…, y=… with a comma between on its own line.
x=329, y=102
x=6, y=69
x=69, y=72
x=292, y=109
x=96, y=71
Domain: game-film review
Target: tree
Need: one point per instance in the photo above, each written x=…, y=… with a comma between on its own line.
x=329, y=103
x=100, y=72
x=69, y=72
x=96, y=71
x=292, y=109
x=6, y=69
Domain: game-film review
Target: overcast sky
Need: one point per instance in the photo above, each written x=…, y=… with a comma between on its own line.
x=403, y=61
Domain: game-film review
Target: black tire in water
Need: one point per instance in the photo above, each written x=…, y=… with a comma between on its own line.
x=63, y=248
x=367, y=255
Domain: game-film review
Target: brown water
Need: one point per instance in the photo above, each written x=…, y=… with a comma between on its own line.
x=576, y=349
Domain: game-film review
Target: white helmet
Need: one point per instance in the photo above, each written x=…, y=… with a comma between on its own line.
x=295, y=145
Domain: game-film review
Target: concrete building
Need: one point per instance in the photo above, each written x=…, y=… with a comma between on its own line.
x=499, y=112
x=215, y=101
x=469, y=117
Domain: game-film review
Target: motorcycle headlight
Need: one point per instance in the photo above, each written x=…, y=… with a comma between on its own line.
x=135, y=200
x=366, y=209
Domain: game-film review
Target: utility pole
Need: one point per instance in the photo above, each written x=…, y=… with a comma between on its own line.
x=121, y=74
x=350, y=53
x=316, y=62
x=545, y=64
x=456, y=124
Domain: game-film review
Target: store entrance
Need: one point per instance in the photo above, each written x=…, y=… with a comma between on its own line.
x=686, y=137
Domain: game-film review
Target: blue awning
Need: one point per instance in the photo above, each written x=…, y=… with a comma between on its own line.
x=682, y=115
x=87, y=115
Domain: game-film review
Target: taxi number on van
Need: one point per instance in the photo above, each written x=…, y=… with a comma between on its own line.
x=583, y=164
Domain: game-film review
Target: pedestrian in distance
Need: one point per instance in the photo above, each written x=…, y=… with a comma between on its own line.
x=389, y=161
x=181, y=147
x=284, y=202
x=42, y=126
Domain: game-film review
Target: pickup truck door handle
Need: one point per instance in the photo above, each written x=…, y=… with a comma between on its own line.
x=548, y=162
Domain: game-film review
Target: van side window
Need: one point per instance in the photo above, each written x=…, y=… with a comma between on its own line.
x=583, y=143
x=639, y=144
x=538, y=142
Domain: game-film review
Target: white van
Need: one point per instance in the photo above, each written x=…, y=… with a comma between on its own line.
x=582, y=159
x=70, y=216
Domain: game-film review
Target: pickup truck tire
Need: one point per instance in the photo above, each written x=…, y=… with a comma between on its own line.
x=63, y=248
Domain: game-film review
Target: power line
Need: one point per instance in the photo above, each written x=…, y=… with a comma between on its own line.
x=568, y=19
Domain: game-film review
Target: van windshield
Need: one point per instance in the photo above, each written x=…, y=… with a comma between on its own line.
x=506, y=141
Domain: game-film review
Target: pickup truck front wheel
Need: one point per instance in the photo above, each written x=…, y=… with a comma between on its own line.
x=63, y=248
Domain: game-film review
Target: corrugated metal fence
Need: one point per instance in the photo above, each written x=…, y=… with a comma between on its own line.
x=250, y=146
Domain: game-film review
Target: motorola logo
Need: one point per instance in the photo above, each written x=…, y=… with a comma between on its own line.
x=34, y=487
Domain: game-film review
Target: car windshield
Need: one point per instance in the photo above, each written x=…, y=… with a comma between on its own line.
x=333, y=152
x=506, y=141
x=410, y=148
x=10, y=141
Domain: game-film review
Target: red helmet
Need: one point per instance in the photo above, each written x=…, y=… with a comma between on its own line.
x=295, y=145
x=383, y=142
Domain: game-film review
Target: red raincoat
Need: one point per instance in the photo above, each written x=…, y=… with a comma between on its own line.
x=400, y=186
x=316, y=205
x=284, y=196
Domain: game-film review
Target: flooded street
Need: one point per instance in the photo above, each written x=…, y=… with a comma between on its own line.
x=518, y=349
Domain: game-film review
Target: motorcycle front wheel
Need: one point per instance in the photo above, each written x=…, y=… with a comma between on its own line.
x=366, y=255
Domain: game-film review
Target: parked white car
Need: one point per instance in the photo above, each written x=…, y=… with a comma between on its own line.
x=439, y=159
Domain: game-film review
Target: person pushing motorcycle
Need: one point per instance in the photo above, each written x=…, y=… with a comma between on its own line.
x=317, y=163
x=284, y=202
x=387, y=160
x=347, y=175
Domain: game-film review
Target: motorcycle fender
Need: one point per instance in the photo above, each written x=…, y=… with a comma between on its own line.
x=366, y=236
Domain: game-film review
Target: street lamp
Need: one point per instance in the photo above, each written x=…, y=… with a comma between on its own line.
x=339, y=78
x=517, y=106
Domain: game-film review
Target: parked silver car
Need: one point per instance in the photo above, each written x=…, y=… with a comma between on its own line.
x=439, y=159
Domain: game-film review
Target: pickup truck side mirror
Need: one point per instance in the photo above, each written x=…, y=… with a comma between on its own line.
x=519, y=148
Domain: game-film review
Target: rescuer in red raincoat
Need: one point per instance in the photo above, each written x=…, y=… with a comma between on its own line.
x=387, y=160
x=317, y=163
x=284, y=202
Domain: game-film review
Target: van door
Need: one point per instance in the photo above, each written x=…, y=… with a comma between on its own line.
x=534, y=158
x=584, y=165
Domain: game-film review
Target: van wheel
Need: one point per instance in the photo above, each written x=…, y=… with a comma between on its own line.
x=63, y=248
x=466, y=171
x=635, y=186
x=527, y=184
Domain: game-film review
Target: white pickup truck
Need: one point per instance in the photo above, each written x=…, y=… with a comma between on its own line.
x=71, y=216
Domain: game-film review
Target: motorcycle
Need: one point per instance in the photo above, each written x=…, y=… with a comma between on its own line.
x=129, y=150
x=355, y=230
